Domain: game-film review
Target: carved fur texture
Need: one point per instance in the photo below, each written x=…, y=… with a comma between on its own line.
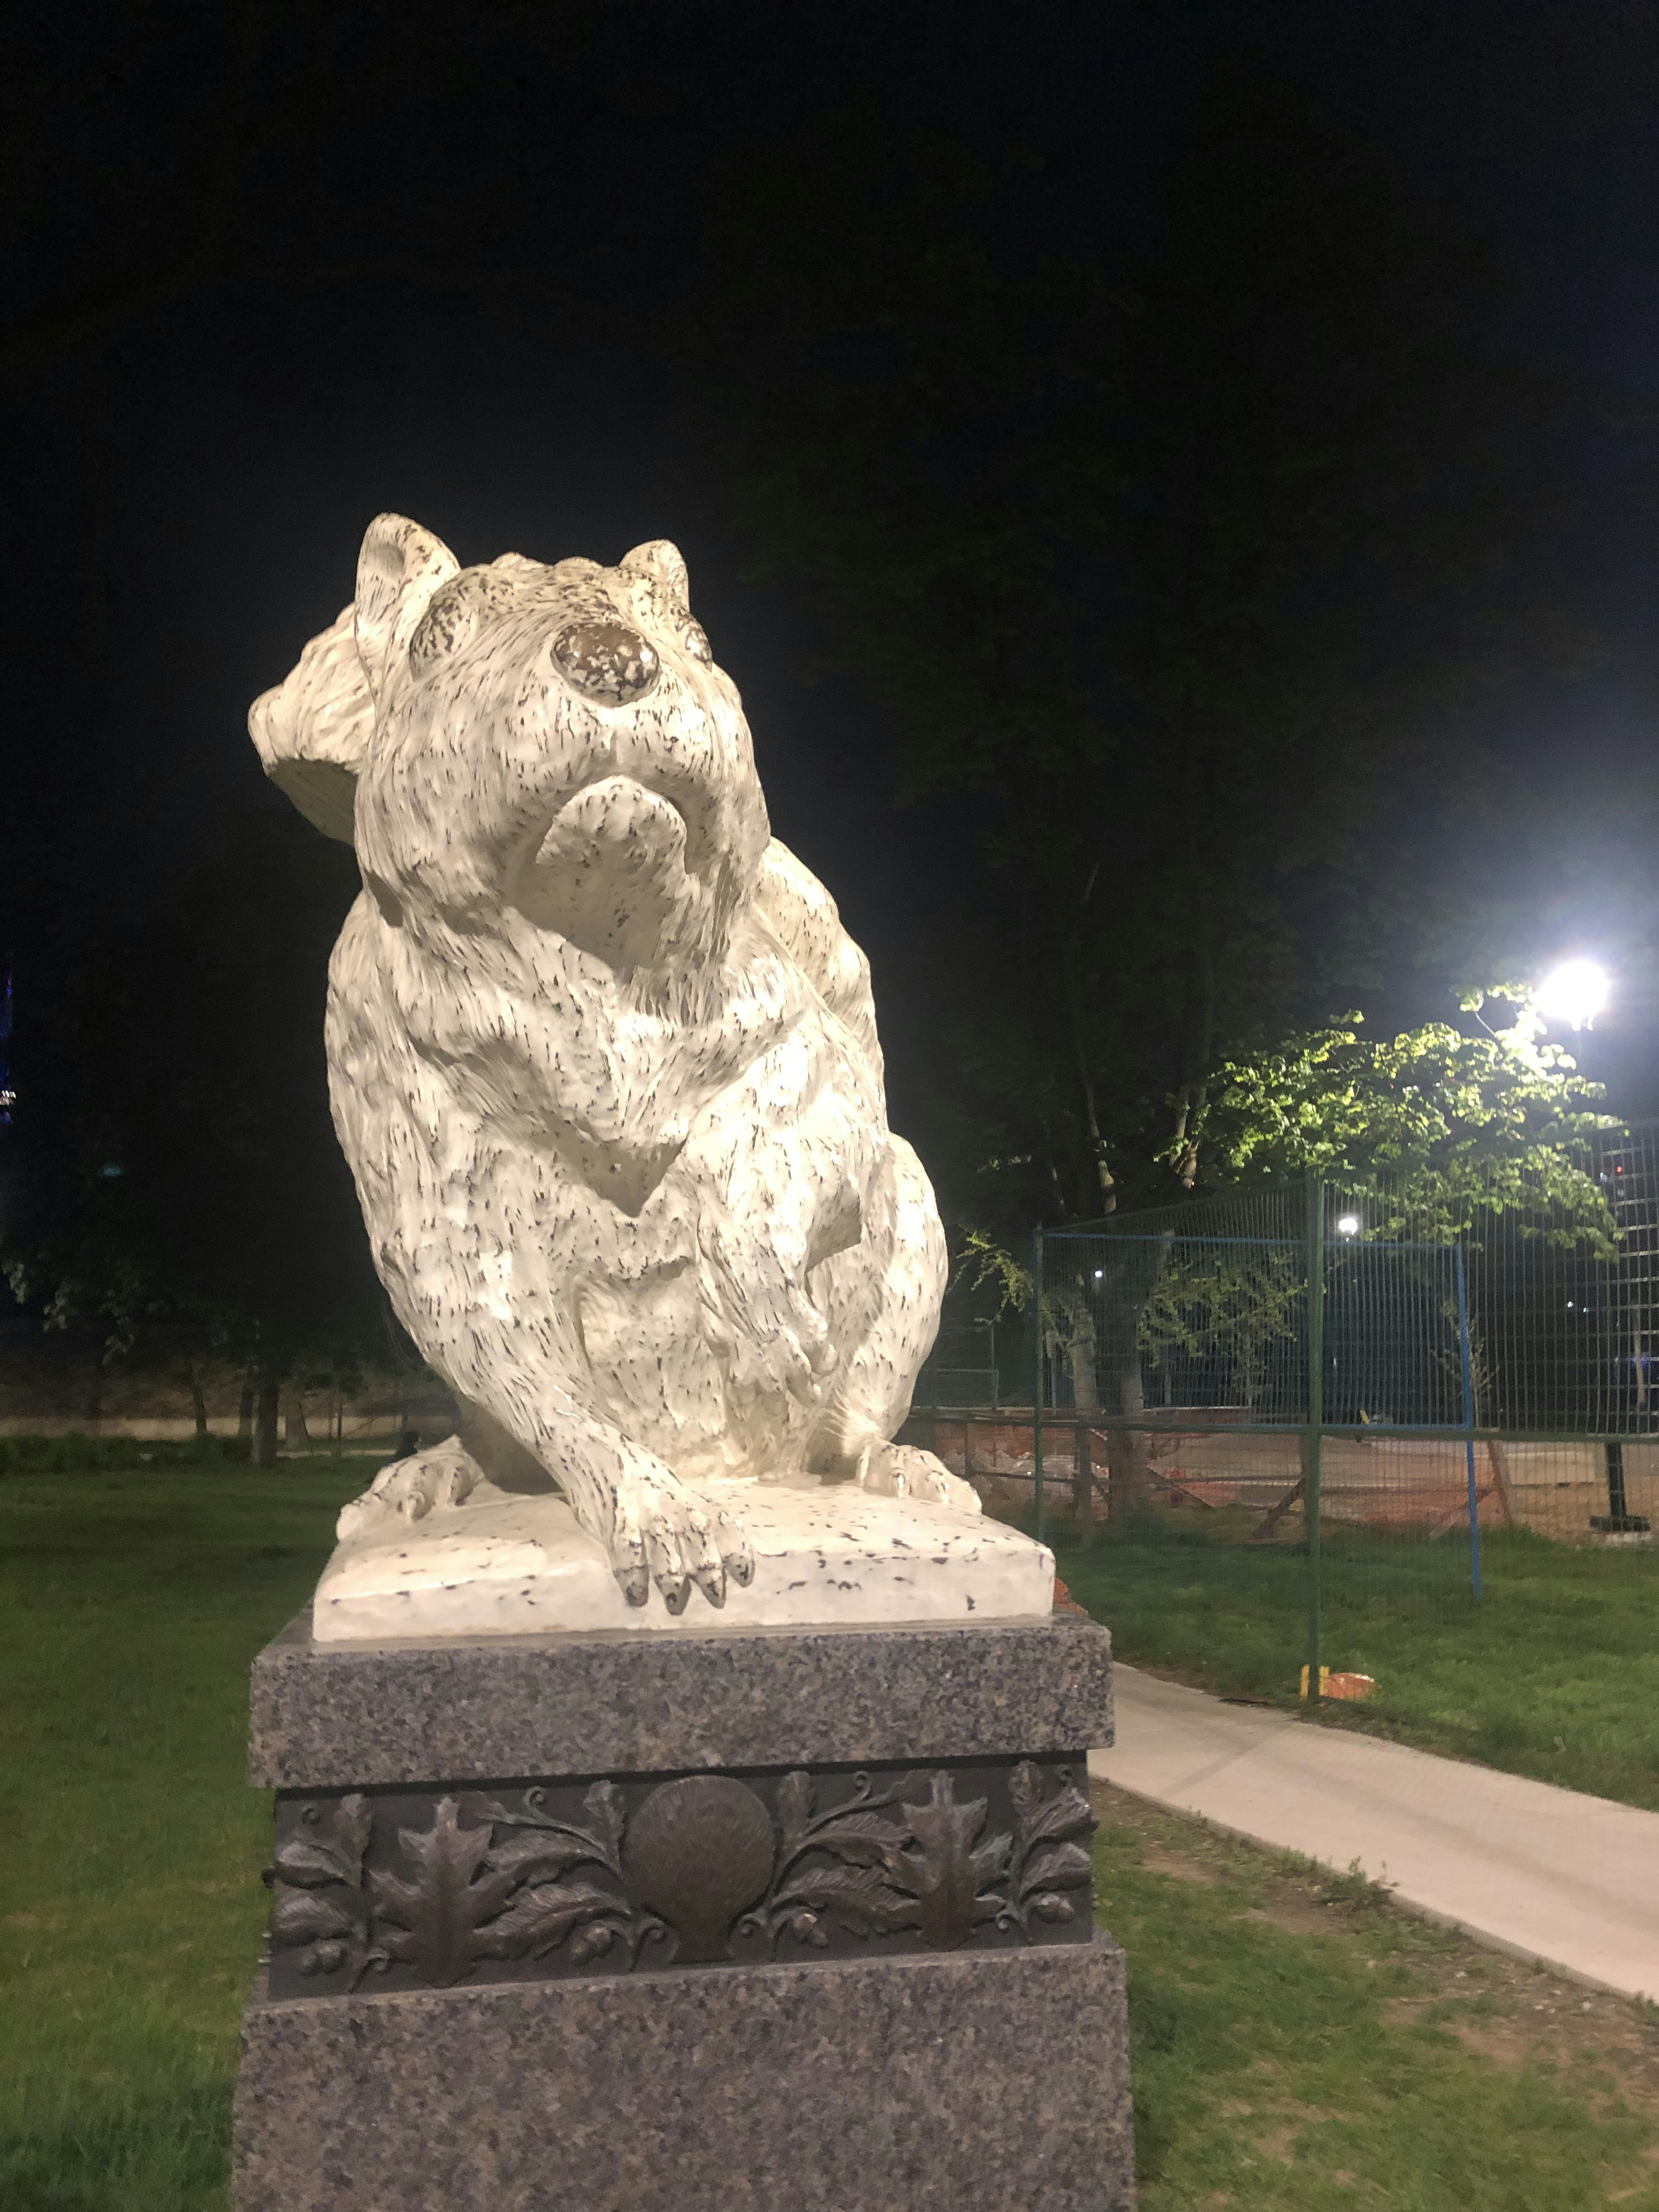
x=603, y=1060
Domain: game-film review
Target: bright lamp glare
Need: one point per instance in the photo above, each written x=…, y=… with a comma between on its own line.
x=1575, y=992
x=1347, y=1225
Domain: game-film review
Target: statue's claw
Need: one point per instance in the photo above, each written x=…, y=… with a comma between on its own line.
x=664, y=1533
x=408, y=1489
x=905, y=1471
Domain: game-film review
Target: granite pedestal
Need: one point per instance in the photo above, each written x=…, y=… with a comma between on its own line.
x=611, y=1923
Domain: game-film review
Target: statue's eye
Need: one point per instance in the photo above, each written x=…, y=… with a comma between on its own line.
x=447, y=625
x=457, y=613
x=606, y=662
x=696, y=643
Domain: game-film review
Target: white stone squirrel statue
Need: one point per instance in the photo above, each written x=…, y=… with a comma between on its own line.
x=603, y=1060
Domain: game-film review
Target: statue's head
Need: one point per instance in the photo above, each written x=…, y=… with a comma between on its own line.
x=516, y=742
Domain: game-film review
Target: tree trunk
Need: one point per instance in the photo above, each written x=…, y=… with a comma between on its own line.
x=1082, y=1491
x=299, y=1436
x=1499, y=1460
x=1126, y=1448
x=245, y=1412
x=1193, y=1095
x=197, y=1402
x=267, y=1398
x=1080, y=1353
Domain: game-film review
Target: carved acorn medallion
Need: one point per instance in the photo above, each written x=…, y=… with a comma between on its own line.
x=698, y=1852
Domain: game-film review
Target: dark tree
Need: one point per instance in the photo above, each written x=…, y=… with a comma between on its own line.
x=1167, y=563
x=171, y=1163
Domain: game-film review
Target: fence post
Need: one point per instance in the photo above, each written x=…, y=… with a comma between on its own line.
x=1468, y=1365
x=1310, y=1494
x=1036, y=1375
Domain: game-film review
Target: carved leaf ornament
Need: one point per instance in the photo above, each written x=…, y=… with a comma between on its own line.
x=319, y=1909
x=433, y=1922
x=702, y=1858
x=950, y=1880
x=927, y=1871
x=1047, y=1859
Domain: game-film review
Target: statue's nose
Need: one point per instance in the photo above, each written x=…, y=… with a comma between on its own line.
x=606, y=662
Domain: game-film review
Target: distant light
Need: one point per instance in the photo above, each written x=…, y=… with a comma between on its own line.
x=1347, y=1225
x=1100, y=1275
x=1575, y=992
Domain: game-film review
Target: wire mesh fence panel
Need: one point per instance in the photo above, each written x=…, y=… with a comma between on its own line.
x=962, y=1368
x=1563, y=1282
x=1472, y=1371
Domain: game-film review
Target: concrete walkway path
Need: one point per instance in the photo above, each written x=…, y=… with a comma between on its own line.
x=1519, y=1864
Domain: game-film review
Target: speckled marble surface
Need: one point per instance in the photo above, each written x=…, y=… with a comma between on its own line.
x=833, y=1553
x=604, y=1062
x=330, y=1717
x=996, y=2081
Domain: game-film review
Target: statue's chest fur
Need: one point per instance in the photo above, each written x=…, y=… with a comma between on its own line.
x=689, y=1245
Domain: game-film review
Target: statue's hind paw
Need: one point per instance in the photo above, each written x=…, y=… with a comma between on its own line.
x=904, y=1471
x=410, y=1489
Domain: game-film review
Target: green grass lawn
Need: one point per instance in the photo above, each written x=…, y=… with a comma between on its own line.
x=130, y=1908
x=1300, y=2045
x=1297, y=2044
x=1554, y=1674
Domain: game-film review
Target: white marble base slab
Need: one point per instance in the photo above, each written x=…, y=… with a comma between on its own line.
x=838, y=1554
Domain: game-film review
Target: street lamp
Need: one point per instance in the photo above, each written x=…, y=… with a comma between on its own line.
x=1347, y=1225
x=1574, y=992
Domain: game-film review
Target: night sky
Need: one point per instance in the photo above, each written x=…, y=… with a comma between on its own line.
x=270, y=270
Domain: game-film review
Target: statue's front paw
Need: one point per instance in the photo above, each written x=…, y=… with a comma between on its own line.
x=904, y=1471
x=664, y=1533
x=410, y=1489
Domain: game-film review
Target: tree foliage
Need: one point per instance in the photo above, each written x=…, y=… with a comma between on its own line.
x=1442, y=1124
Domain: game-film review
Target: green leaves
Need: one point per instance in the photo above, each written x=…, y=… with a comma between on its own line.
x=1442, y=1126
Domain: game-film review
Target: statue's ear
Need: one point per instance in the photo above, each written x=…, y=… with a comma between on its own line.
x=399, y=569
x=664, y=564
x=313, y=731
